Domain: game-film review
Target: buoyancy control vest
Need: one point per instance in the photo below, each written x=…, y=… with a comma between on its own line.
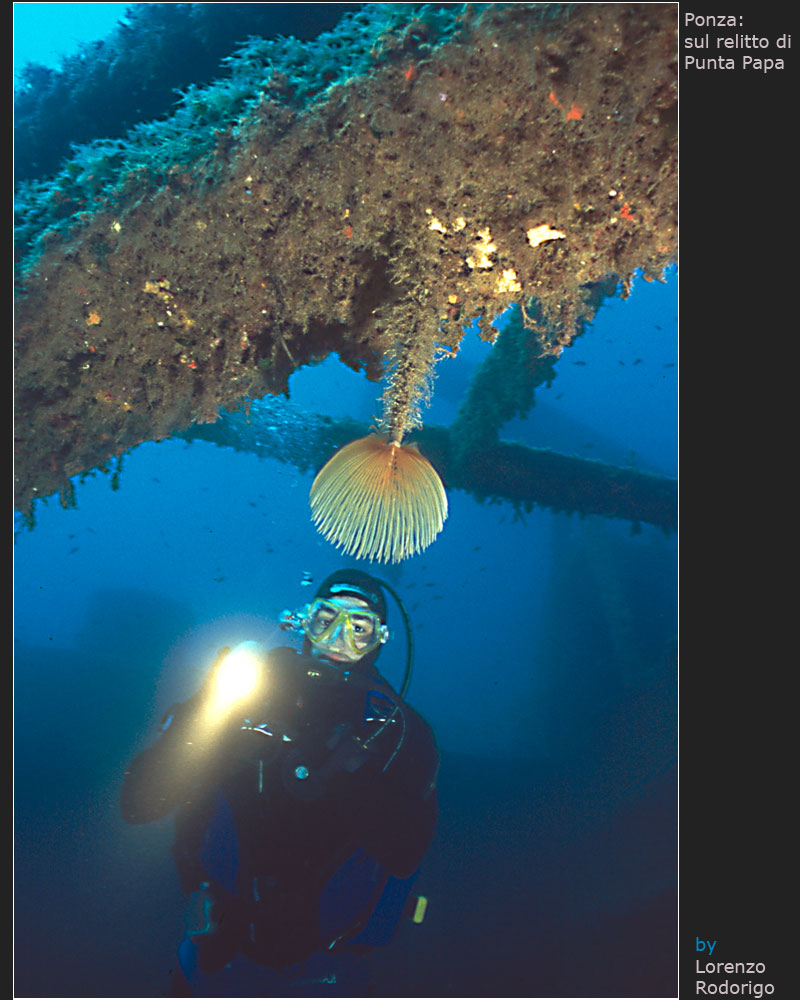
x=282, y=854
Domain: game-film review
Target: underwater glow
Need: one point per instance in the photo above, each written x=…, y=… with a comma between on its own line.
x=238, y=674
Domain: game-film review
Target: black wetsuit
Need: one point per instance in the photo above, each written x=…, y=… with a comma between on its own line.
x=324, y=769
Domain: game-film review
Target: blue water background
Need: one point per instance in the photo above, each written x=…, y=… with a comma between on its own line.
x=544, y=660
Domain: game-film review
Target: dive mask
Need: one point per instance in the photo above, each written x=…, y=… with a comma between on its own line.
x=324, y=618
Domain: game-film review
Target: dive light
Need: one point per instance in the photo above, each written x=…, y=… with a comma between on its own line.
x=239, y=674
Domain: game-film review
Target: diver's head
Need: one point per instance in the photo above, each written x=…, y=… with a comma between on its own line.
x=346, y=622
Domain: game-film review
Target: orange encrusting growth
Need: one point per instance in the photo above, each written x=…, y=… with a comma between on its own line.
x=379, y=500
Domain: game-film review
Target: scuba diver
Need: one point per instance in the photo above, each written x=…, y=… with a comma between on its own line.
x=305, y=789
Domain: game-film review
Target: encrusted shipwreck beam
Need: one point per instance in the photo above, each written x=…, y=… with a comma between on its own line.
x=564, y=483
x=517, y=152
x=526, y=477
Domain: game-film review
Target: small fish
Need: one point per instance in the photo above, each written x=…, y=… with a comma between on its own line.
x=307, y=580
x=582, y=363
x=638, y=361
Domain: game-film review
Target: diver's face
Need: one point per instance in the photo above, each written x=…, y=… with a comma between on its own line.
x=337, y=643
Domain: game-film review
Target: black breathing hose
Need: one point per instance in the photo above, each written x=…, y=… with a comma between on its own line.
x=409, y=638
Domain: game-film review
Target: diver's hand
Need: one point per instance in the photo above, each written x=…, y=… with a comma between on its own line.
x=206, y=690
x=185, y=715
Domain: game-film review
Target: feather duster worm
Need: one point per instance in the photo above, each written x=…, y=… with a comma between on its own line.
x=377, y=498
